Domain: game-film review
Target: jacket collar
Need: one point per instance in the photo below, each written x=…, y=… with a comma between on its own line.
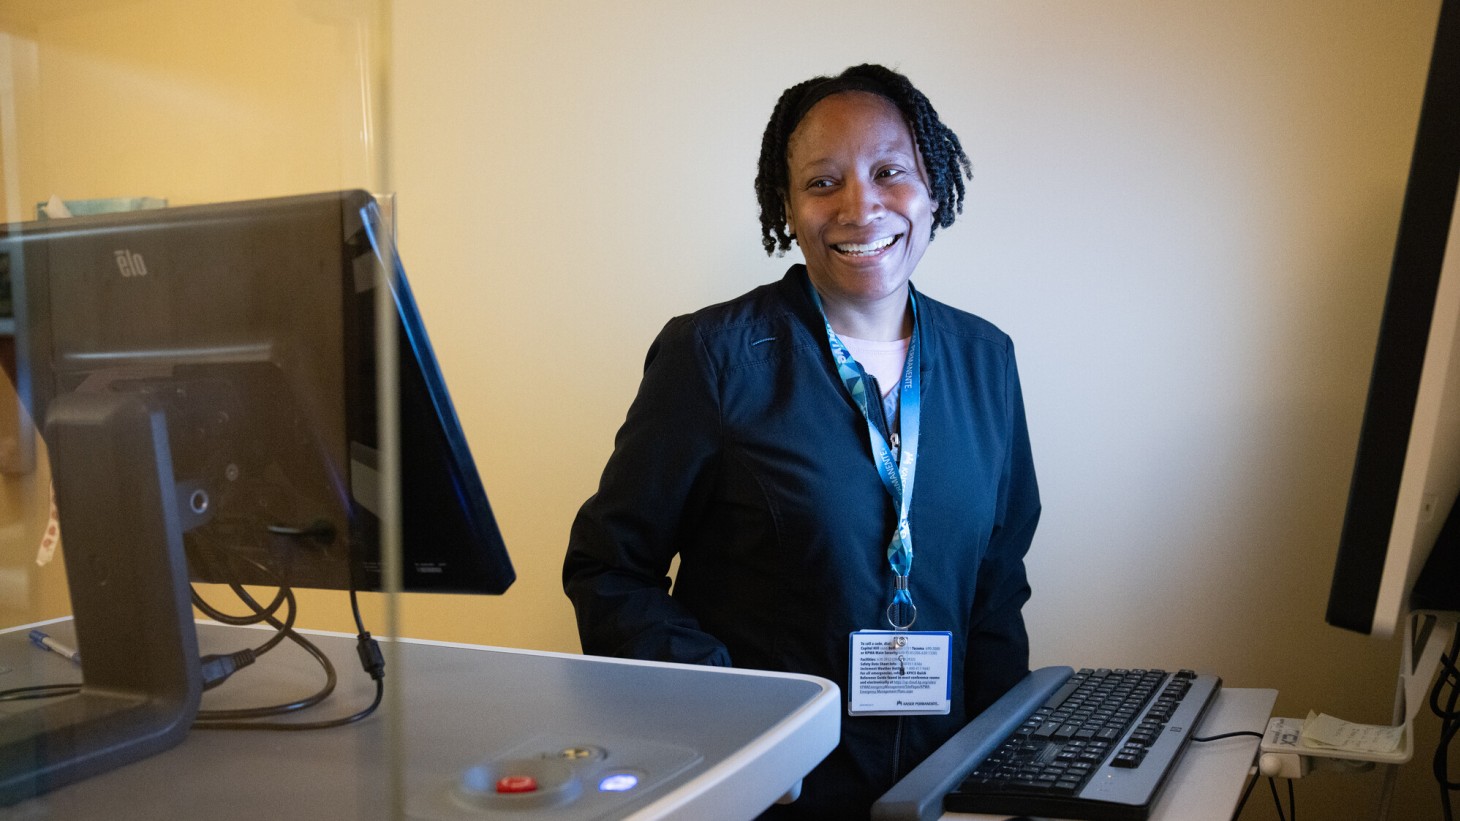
x=796, y=287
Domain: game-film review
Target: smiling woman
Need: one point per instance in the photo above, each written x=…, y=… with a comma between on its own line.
x=773, y=447
x=859, y=208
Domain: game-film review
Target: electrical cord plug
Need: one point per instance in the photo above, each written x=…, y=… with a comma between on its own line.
x=372, y=660
x=217, y=667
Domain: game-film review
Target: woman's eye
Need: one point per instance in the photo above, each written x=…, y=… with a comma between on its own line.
x=891, y=172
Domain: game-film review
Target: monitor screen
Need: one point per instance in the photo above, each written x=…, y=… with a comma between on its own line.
x=1407, y=470
x=252, y=324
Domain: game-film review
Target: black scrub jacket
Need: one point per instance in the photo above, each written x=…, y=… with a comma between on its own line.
x=744, y=453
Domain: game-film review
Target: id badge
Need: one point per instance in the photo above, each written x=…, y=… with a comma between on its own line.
x=900, y=673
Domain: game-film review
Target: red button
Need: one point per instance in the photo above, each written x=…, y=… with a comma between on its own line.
x=516, y=784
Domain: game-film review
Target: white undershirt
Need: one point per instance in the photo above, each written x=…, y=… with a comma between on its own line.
x=885, y=361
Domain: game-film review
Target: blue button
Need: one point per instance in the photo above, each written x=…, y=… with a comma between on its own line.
x=618, y=782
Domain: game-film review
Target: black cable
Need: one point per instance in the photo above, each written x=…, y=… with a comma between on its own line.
x=1449, y=724
x=355, y=611
x=1278, y=802
x=310, y=725
x=211, y=719
x=252, y=618
x=36, y=691
x=1242, y=802
x=236, y=719
x=284, y=596
x=216, y=719
x=1252, y=782
x=216, y=668
x=266, y=615
x=371, y=660
x=1220, y=736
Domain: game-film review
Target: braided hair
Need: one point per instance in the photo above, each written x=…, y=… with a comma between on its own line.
x=942, y=154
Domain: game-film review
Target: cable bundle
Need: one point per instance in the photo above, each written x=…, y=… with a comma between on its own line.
x=1449, y=723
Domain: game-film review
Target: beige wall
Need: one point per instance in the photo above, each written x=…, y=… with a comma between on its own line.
x=1182, y=211
x=189, y=101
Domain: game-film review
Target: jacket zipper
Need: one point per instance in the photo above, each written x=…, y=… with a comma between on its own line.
x=897, y=751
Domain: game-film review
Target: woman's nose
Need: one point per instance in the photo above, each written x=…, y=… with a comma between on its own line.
x=861, y=203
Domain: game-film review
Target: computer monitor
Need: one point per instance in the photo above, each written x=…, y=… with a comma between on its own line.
x=206, y=380
x=1395, y=551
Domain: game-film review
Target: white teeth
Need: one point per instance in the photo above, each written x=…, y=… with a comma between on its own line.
x=855, y=248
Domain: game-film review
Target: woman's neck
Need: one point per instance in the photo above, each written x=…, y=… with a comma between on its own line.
x=882, y=321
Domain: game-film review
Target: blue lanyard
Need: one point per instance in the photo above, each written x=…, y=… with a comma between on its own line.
x=896, y=472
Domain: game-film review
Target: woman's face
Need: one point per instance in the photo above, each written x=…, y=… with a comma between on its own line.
x=858, y=200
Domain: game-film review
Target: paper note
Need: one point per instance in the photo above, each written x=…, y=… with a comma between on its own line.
x=1323, y=731
x=55, y=208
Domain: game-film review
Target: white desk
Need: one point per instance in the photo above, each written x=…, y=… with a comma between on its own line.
x=1209, y=779
x=704, y=742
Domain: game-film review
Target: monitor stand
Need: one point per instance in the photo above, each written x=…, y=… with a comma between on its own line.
x=122, y=519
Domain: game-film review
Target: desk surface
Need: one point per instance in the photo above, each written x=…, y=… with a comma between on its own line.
x=1209, y=779
x=462, y=708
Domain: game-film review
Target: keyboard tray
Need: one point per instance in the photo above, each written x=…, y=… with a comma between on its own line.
x=1048, y=760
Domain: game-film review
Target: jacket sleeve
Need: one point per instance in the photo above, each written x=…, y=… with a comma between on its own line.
x=653, y=491
x=998, y=645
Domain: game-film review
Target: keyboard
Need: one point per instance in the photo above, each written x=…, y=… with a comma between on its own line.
x=1094, y=745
